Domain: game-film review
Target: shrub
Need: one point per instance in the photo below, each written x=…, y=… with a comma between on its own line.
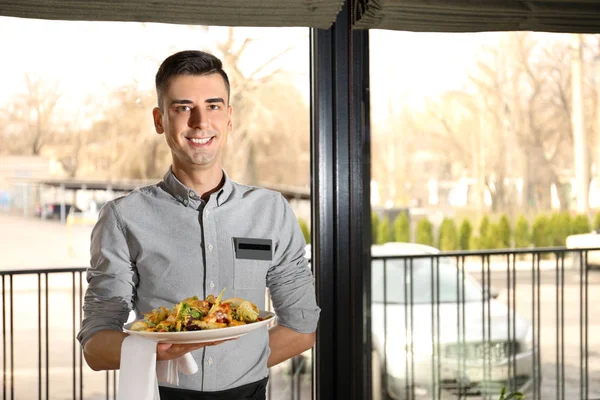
x=483, y=242
x=560, y=227
x=491, y=240
x=474, y=243
x=425, y=232
x=304, y=229
x=374, y=228
x=581, y=224
x=521, y=234
x=484, y=226
x=504, y=239
x=448, y=235
x=466, y=230
x=596, y=221
x=384, y=233
x=540, y=232
x=402, y=228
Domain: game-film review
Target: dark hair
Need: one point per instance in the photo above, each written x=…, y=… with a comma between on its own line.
x=188, y=62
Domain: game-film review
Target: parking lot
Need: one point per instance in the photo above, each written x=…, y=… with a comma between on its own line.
x=27, y=243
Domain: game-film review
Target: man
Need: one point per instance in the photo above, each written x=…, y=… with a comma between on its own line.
x=178, y=238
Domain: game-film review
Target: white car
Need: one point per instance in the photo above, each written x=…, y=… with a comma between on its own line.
x=461, y=356
x=461, y=350
x=586, y=240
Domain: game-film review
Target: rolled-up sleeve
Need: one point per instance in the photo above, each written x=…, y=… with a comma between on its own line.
x=111, y=277
x=290, y=281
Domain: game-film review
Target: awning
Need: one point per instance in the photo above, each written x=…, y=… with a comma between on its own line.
x=574, y=16
x=309, y=13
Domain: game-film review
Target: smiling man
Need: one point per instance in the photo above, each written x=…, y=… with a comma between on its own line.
x=181, y=237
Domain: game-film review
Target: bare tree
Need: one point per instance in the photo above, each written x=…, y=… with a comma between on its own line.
x=498, y=138
x=402, y=150
x=538, y=110
x=122, y=143
x=68, y=149
x=453, y=127
x=264, y=101
x=512, y=122
x=31, y=115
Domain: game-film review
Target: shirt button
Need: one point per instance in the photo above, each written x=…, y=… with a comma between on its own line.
x=210, y=247
x=212, y=285
x=192, y=194
x=210, y=361
x=185, y=202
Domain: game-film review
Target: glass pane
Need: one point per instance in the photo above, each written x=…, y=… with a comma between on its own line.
x=77, y=131
x=483, y=141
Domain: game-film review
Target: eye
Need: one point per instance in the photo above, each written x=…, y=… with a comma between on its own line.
x=214, y=107
x=183, y=108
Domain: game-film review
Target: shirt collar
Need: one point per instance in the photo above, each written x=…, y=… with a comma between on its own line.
x=185, y=195
x=225, y=192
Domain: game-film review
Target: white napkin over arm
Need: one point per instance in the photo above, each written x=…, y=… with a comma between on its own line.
x=140, y=374
x=168, y=371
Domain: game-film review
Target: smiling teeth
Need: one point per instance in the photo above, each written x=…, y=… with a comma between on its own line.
x=200, y=141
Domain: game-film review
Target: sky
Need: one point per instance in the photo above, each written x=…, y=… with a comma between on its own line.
x=91, y=58
x=94, y=56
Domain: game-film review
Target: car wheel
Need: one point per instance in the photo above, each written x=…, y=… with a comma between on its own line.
x=379, y=392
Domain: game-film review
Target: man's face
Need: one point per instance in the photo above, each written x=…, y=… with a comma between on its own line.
x=195, y=119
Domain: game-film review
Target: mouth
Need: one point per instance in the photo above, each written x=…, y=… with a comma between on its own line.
x=200, y=142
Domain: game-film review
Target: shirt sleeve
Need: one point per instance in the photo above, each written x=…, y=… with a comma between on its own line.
x=111, y=277
x=290, y=281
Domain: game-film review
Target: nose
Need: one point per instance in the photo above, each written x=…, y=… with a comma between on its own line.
x=198, y=119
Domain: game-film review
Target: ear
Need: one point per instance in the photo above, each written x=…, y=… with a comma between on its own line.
x=157, y=116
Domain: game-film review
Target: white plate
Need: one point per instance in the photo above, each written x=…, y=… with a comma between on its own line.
x=208, y=335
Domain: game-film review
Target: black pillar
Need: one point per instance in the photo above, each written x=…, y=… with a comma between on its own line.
x=340, y=170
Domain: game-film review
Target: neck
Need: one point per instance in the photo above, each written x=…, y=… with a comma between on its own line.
x=202, y=181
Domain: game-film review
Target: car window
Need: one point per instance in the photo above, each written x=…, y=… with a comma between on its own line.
x=396, y=285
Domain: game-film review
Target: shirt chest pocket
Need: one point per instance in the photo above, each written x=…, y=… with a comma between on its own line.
x=252, y=259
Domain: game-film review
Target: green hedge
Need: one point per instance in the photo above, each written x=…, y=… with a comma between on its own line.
x=448, y=239
x=425, y=232
x=402, y=228
x=304, y=229
x=521, y=235
x=374, y=227
x=484, y=227
x=544, y=231
x=504, y=233
x=596, y=221
x=384, y=232
x=466, y=230
x=541, y=232
x=581, y=224
x=561, y=227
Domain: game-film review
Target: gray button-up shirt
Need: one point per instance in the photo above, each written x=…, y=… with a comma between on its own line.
x=162, y=243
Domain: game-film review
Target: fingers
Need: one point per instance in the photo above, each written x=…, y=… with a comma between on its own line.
x=163, y=346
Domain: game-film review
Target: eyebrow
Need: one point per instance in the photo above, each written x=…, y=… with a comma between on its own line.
x=215, y=100
x=209, y=101
x=176, y=101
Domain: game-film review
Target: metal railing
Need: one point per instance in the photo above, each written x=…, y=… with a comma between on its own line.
x=468, y=323
x=447, y=325
x=41, y=358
